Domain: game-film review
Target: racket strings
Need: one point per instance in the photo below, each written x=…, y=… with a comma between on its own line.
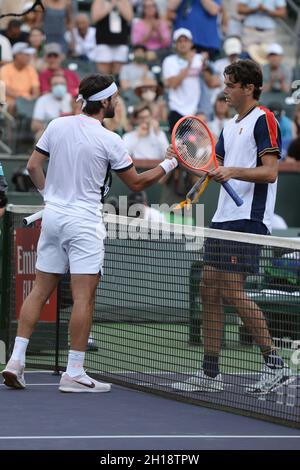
x=193, y=143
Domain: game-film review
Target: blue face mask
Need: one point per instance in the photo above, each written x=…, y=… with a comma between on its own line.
x=59, y=91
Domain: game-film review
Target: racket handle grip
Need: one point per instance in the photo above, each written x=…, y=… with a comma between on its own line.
x=239, y=201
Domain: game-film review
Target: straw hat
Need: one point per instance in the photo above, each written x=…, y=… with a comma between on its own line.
x=147, y=82
x=258, y=53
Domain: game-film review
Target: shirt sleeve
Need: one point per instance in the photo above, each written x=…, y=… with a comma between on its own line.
x=119, y=158
x=44, y=143
x=220, y=149
x=267, y=135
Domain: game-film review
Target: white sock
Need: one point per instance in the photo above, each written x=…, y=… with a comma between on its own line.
x=19, y=351
x=75, y=363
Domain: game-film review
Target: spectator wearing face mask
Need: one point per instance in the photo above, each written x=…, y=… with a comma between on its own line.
x=150, y=93
x=132, y=73
x=51, y=105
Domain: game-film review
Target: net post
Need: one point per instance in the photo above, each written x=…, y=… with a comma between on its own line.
x=5, y=282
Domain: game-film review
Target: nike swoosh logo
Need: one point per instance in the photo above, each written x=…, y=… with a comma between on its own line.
x=91, y=385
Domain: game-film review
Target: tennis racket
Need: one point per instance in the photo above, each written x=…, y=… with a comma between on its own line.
x=32, y=218
x=194, y=146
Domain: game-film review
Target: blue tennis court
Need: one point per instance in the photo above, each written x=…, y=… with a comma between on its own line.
x=41, y=417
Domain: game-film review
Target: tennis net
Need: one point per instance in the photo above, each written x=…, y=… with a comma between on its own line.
x=167, y=292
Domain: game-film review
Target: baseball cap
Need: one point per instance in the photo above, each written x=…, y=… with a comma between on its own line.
x=53, y=48
x=22, y=48
x=182, y=32
x=275, y=49
x=232, y=46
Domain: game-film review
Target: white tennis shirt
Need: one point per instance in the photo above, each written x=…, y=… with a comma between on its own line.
x=242, y=144
x=81, y=152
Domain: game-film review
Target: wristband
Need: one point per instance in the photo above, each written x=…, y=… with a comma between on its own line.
x=169, y=164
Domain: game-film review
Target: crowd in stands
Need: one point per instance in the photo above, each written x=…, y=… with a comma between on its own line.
x=168, y=57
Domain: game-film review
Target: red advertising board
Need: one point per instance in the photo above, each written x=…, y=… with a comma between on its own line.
x=25, y=256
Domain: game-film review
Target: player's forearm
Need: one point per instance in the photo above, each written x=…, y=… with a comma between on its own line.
x=211, y=7
x=174, y=82
x=146, y=179
x=37, y=175
x=245, y=10
x=261, y=174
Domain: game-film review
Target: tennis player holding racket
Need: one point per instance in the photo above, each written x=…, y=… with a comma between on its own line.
x=249, y=147
x=81, y=153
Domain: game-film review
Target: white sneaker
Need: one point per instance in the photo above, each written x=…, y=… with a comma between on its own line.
x=82, y=383
x=271, y=379
x=200, y=382
x=13, y=375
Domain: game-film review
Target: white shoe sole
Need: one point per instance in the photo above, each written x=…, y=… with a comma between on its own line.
x=67, y=389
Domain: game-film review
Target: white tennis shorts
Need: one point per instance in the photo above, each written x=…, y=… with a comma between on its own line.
x=106, y=54
x=71, y=244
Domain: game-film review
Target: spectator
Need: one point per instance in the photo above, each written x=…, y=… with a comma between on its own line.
x=201, y=18
x=150, y=93
x=181, y=74
x=5, y=50
x=33, y=19
x=112, y=20
x=54, y=58
x=20, y=77
x=51, y=105
x=293, y=152
x=147, y=141
x=287, y=127
x=233, y=49
x=57, y=19
x=151, y=30
x=131, y=74
x=259, y=25
x=235, y=20
x=221, y=115
x=277, y=76
x=14, y=33
x=82, y=38
x=36, y=40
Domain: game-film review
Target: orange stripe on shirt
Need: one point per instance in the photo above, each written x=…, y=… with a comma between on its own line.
x=272, y=126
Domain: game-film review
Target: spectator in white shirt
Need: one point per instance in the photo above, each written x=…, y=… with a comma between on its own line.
x=51, y=105
x=147, y=141
x=82, y=38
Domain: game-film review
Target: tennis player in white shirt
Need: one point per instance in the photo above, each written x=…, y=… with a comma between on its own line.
x=81, y=153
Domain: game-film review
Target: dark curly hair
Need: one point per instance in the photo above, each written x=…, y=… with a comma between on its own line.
x=91, y=85
x=246, y=72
